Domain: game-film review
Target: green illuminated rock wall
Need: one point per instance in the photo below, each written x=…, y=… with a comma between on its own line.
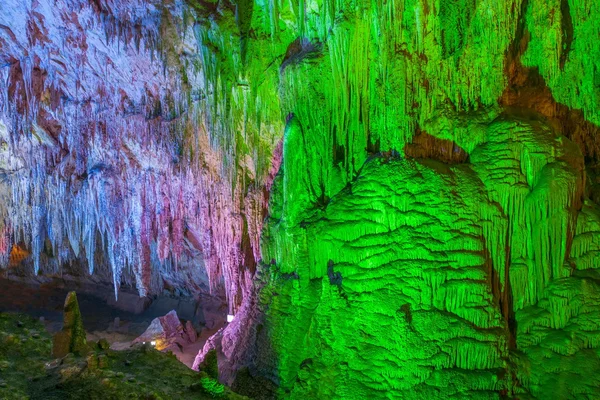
x=424, y=280
x=432, y=231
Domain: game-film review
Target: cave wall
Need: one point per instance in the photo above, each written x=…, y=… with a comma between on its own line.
x=427, y=170
x=430, y=231
x=125, y=156
x=422, y=279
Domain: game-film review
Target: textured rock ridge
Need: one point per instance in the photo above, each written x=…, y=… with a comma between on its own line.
x=419, y=276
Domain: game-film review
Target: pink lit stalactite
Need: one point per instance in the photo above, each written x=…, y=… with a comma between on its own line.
x=234, y=339
x=5, y=246
x=178, y=228
x=164, y=218
x=144, y=273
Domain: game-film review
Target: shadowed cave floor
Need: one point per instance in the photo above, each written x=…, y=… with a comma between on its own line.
x=111, y=320
x=27, y=370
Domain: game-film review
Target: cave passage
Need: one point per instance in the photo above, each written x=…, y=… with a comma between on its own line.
x=300, y=199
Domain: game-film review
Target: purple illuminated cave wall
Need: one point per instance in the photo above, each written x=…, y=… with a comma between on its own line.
x=110, y=151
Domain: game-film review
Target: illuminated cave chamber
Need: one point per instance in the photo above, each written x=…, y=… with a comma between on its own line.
x=396, y=199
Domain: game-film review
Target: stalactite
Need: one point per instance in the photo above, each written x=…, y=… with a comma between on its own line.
x=117, y=170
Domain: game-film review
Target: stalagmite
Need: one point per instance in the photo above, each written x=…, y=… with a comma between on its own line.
x=71, y=339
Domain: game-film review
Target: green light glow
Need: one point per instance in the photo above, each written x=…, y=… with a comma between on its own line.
x=391, y=277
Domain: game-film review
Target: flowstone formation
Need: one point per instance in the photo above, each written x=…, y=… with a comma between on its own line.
x=428, y=171
x=432, y=230
x=422, y=279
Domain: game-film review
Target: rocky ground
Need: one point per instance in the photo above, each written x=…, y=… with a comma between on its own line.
x=118, y=322
x=27, y=370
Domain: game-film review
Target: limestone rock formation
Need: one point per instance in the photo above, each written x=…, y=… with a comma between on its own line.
x=71, y=339
x=397, y=198
x=110, y=159
x=409, y=279
x=168, y=333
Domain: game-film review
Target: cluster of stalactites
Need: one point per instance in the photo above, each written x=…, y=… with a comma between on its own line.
x=141, y=219
x=116, y=151
x=121, y=215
